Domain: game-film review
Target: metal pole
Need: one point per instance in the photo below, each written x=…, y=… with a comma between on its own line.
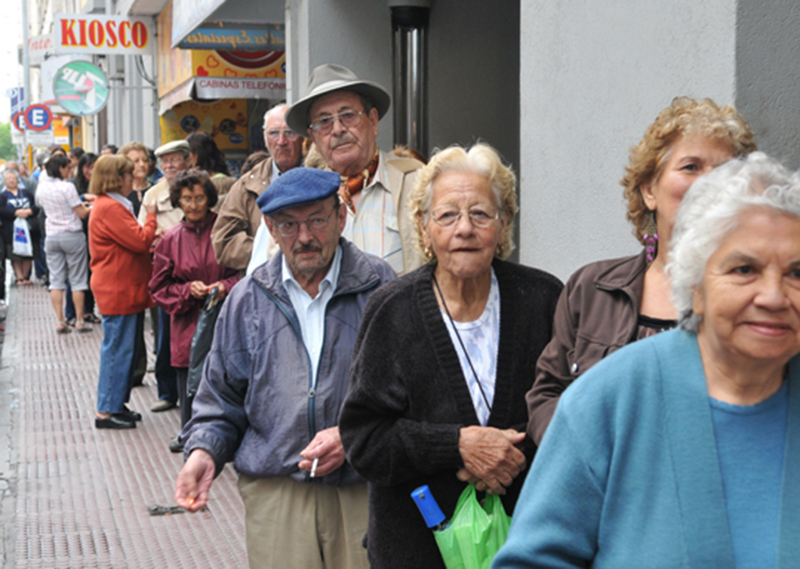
x=410, y=89
x=26, y=73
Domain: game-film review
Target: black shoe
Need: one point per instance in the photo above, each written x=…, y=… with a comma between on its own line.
x=130, y=414
x=175, y=445
x=116, y=421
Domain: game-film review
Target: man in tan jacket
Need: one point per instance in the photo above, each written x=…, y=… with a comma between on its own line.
x=239, y=217
x=340, y=113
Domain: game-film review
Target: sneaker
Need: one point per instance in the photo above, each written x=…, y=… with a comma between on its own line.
x=162, y=405
x=175, y=445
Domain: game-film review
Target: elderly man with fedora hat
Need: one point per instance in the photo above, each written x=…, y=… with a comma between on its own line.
x=340, y=112
x=275, y=380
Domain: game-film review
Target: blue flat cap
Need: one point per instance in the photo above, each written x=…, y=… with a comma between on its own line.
x=298, y=186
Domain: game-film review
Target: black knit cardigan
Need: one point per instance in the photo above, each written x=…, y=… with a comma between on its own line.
x=408, y=399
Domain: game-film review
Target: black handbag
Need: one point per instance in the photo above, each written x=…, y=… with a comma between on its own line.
x=201, y=341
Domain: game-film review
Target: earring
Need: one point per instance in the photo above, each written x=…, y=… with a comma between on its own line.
x=650, y=238
x=428, y=252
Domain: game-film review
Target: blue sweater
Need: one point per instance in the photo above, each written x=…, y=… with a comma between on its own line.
x=628, y=475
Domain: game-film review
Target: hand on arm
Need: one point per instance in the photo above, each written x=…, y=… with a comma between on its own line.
x=194, y=481
x=491, y=459
x=327, y=447
x=82, y=210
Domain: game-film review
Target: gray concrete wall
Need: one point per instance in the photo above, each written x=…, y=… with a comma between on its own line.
x=353, y=33
x=593, y=76
x=768, y=75
x=474, y=75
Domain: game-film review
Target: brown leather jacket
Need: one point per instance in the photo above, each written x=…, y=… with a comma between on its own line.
x=239, y=218
x=597, y=314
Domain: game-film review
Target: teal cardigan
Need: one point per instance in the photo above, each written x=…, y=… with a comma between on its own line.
x=628, y=475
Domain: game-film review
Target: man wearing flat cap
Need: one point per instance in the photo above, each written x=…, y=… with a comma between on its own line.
x=174, y=158
x=340, y=112
x=275, y=380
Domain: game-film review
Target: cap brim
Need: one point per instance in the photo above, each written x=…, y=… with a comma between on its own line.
x=297, y=115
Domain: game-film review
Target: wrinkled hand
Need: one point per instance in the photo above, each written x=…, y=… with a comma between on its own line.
x=491, y=459
x=150, y=207
x=194, y=481
x=198, y=289
x=327, y=447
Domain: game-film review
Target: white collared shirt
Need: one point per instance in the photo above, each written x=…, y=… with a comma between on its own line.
x=311, y=311
x=373, y=228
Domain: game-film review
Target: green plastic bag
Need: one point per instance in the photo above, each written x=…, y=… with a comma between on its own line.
x=475, y=532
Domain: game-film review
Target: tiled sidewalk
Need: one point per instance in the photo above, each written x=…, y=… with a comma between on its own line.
x=74, y=496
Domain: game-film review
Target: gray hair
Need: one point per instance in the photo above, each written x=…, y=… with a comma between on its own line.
x=272, y=111
x=712, y=209
x=13, y=172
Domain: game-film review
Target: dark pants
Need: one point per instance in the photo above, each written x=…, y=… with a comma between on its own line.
x=2, y=268
x=39, y=262
x=182, y=374
x=139, y=367
x=88, y=302
x=166, y=380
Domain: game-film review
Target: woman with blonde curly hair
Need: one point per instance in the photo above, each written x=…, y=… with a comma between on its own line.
x=609, y=304
x=444, y=357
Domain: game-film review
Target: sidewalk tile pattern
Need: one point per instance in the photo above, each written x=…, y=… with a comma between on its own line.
x=82, y=493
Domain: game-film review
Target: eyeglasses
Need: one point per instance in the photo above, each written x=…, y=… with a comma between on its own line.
x=197, y=200
x=275, y=134
x=449, y=216
x=316, y=224
x=349, y=119
x=177, y=161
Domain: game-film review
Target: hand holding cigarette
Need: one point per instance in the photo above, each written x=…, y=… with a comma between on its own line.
x=324, y=453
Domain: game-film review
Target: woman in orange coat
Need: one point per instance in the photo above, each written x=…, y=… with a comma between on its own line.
x=121, y=267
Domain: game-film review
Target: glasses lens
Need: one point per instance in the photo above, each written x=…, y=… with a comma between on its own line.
x=446, y=215
x=276, y=134
x=482, y=217
x=347, y=118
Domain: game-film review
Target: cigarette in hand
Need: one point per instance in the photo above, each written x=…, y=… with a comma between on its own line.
x=314, y=467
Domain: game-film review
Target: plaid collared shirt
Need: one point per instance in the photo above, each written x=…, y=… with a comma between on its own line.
x=58, y=198
x=373, y=228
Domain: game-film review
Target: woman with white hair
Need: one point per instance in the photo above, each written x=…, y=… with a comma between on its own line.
x=683, y=450
x=443, y=358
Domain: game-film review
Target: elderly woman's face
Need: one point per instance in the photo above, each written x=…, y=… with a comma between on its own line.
x=194, y=203
x=11, y=181
x=141, y=165
x=462, y=247
x=749, y=298
x=691, y=157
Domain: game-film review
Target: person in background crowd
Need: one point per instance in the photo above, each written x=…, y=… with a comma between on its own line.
x=154, y=175
x=174, y=158
x=81, y=182
x=109, y=150
x=65, y=244
x=36, y=223
x=444, y=357
x=285, y=331
x=205, y=155
x=16, y=203
x=681, y=450
x=137, y=153
x=74, y=156
x=121, y=269
x=239, y=216
x=609, y=304
x=185, y=270
x=340, y=113
x=253, y=160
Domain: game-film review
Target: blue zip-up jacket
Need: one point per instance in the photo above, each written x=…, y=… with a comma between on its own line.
x=255, y=404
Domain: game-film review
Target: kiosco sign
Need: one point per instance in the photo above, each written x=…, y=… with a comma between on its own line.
x=77, y=33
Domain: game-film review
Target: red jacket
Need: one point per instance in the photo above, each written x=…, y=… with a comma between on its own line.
x=183, y=255
x=121, y=265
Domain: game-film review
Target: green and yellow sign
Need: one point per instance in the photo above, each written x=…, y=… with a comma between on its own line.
x=81, y=88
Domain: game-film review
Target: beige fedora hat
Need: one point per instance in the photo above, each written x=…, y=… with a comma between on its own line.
x=327, y=79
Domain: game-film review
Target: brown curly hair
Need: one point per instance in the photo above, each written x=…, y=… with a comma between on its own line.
x=683, y=116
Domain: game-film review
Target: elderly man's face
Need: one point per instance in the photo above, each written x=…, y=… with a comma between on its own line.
x=310, y=250
x=173, y=164
x=749, y=298
x=346, y=150
x=284, y=145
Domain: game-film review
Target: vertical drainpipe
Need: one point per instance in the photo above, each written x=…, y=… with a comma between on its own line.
x=410, y=73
